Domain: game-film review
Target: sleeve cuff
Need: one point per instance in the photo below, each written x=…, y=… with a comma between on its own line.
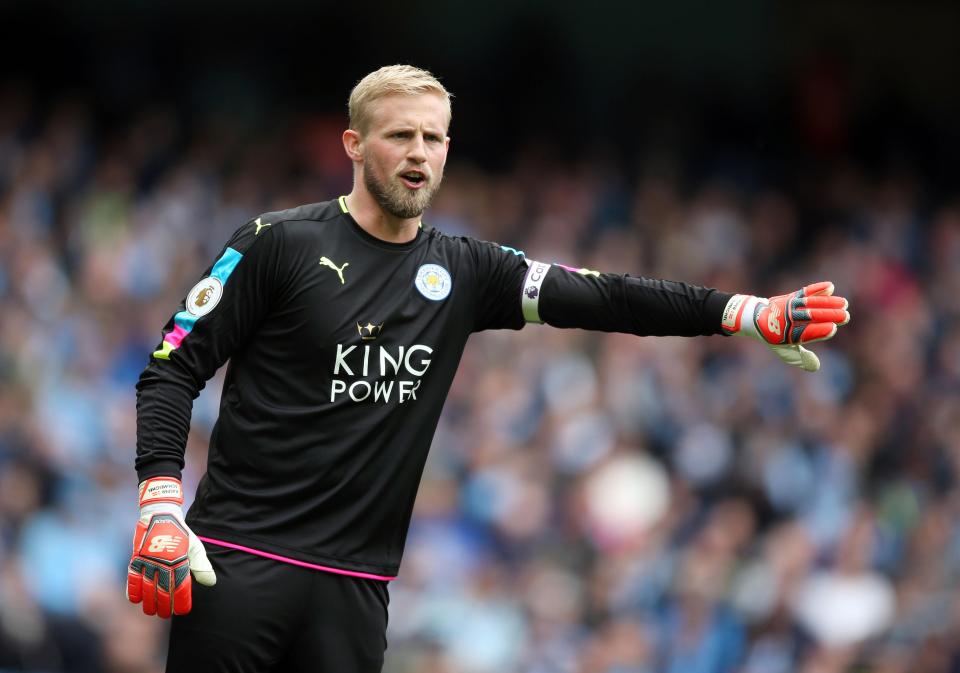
x=713, y=311
x=160, y=468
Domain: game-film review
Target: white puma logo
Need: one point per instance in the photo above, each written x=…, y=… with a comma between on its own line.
x=325, y=261
x=260, y=226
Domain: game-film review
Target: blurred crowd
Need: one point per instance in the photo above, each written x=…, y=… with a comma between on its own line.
x=593, y=503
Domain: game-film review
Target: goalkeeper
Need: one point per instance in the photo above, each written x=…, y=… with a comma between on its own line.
x=344, y=322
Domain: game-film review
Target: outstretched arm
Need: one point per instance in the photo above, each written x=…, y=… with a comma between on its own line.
x=566, y=297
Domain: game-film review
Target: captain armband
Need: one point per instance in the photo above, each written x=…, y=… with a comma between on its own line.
x=530, y=298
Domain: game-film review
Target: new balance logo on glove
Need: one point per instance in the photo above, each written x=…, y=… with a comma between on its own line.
x=167, y=543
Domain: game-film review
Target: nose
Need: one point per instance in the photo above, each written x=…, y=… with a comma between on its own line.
x=417, y=150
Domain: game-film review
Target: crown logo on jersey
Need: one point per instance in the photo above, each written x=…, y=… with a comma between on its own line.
x=369, y=331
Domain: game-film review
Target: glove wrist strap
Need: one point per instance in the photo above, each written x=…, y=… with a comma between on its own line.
x=738, y=315
x=161, y=489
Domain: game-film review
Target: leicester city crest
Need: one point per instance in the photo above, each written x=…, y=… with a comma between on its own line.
x=433, y=281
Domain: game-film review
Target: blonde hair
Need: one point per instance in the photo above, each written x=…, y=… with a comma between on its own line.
x=403, y=80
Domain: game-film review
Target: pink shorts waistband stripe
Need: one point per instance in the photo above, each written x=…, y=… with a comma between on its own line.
x=302, y=564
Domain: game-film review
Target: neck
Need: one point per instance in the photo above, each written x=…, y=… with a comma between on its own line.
x=376, y=221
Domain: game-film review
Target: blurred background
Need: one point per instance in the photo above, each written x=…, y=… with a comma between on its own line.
x=593, y=503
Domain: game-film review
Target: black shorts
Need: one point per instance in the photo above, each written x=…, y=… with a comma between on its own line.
x=266, y=616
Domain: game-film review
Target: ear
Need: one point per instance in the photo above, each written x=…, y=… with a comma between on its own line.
x=352, y=145
x=446, y=149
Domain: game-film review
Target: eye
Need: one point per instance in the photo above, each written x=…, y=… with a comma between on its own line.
x=403, y=135
x=432, y=138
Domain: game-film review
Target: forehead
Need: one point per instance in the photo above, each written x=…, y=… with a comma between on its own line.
x=428, y=110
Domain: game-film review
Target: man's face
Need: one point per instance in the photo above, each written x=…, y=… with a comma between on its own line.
x=404, y=151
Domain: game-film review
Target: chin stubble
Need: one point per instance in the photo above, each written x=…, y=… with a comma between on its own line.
x=396, y=199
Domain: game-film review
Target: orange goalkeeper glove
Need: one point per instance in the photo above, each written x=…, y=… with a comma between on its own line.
x=788, y=321
x=165, y=552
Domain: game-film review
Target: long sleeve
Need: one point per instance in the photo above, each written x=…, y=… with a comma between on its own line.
x=214, y=320
x=580, y=298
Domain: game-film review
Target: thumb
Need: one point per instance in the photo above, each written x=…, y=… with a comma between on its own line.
x=798, y=356
x=808, y=360
x=199, y=563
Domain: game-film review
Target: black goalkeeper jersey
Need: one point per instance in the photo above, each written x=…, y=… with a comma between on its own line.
x=342, y=348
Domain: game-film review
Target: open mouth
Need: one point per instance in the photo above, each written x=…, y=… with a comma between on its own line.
x=413, y=179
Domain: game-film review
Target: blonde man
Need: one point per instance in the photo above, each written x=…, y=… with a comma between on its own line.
x=344, y=322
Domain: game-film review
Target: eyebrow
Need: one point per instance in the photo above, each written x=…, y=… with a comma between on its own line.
x=410, y=127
